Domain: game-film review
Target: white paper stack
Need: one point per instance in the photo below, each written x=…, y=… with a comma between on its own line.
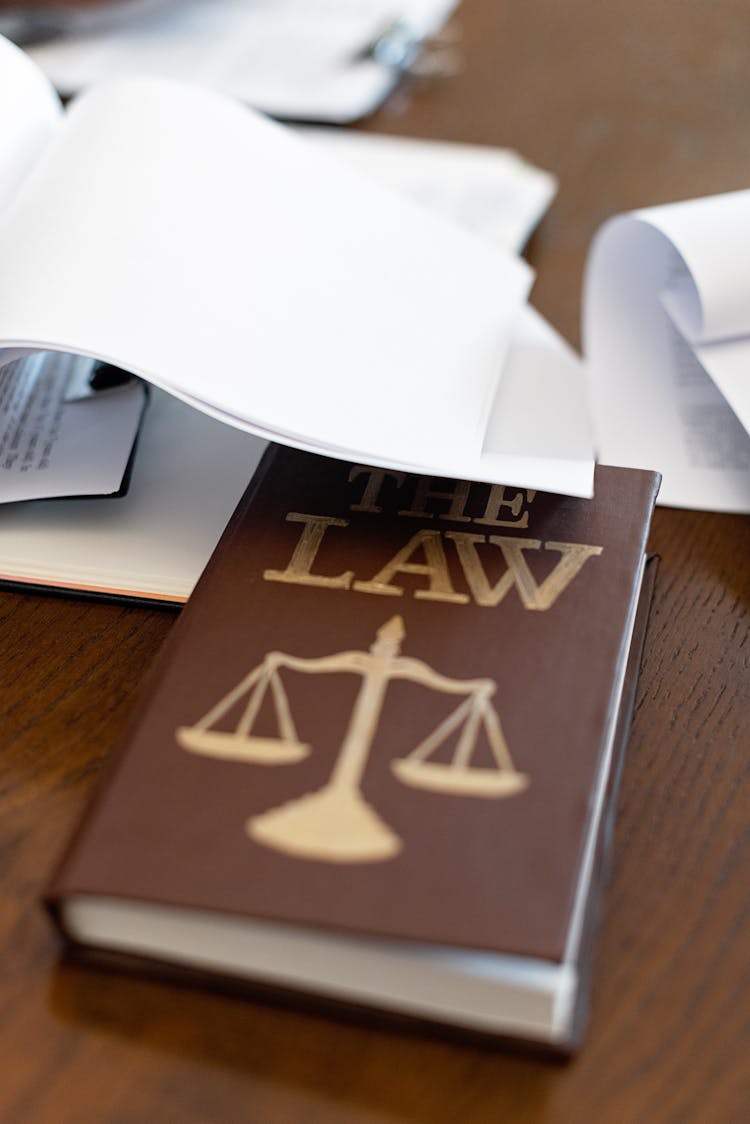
x=178, y=235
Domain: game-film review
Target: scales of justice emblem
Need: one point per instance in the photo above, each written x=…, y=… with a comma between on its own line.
x=336, y=823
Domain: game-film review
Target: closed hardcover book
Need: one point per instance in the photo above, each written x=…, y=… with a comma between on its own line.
x=376, y=760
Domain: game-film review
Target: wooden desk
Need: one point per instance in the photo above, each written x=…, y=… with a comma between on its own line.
x=628, y=103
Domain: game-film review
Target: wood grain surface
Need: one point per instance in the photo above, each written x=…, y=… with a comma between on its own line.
x=629, y=104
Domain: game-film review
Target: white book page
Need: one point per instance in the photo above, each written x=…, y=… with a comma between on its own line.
x=304, y=59
x=539, y=433
x=655, y=405
x=30, y=113
x=180, y=236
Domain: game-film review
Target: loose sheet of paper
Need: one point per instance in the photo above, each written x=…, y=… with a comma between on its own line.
x=303, y=59
x=665, y=334
x=491, y=191
x=179, y=235
x=52, y=446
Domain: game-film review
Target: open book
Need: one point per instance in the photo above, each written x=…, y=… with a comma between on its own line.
x=177, y=235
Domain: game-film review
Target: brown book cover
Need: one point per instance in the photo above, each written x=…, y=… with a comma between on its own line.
x=373, y=759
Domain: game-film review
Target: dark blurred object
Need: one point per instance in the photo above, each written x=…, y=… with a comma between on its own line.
x=36, y=21
x=44, y=7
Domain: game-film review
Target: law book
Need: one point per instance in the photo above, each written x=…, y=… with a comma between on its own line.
x=376, y=761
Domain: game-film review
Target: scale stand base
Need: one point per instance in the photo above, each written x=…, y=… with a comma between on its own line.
x=333, y=825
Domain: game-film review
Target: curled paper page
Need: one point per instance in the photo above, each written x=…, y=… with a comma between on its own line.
x=667, y=341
